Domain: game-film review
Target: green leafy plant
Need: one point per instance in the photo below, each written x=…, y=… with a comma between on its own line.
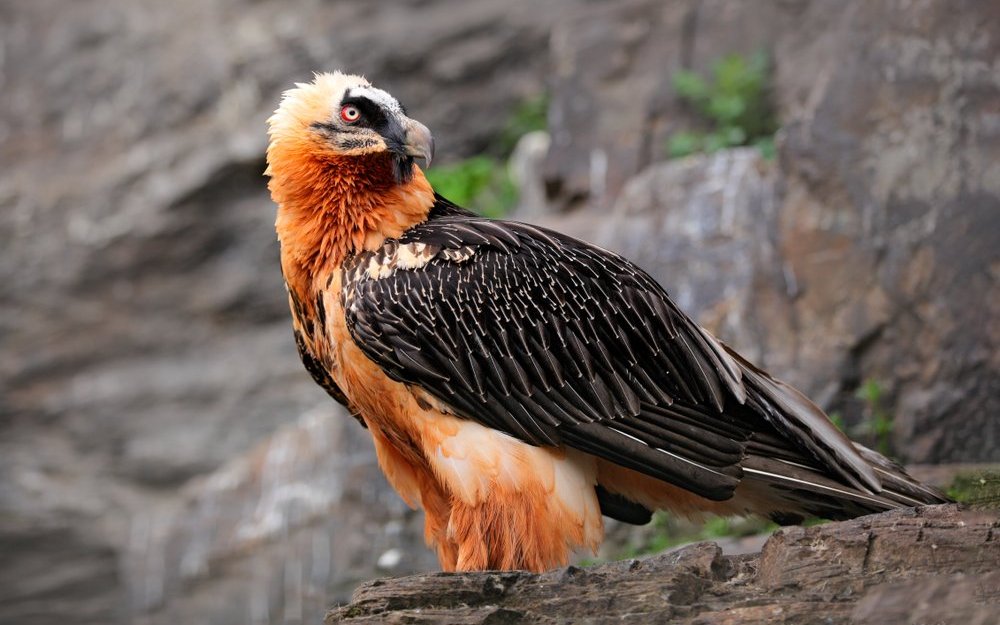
x=661, y=538
x=482, y=183
x=671, y=532
x=733, y=105
x=528, y=116
x=814, y=521
x=837, y=420
x=877, y=421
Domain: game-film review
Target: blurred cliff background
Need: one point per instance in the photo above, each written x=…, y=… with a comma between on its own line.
x=818, y=182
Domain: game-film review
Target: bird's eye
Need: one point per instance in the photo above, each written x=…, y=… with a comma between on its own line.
x=350, y=114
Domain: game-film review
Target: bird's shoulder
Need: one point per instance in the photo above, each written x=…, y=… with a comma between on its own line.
x=452, y=237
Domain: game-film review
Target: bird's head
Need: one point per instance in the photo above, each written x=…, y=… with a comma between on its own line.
x=341, y=162
x=342, y=120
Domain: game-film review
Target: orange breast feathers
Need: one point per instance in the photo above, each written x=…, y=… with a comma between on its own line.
x=318, y=226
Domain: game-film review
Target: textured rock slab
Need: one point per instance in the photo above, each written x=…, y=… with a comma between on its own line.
x=960, y=599
x=827, y=574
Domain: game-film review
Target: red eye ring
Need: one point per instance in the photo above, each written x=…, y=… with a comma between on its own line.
x=350, y=113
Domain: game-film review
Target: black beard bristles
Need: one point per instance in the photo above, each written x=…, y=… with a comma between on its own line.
x=402, y=168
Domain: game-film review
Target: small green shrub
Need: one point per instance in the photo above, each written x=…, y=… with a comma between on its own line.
x=734, y=105
x=528, y=116
x=480, y=183
x=671, y=532
x=877, y=423
x=875, y=427
x=837, y=420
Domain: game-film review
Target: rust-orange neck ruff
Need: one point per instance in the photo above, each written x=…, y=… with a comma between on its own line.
x=330, y=206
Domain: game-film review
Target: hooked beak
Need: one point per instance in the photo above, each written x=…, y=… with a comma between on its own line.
x=419, y=143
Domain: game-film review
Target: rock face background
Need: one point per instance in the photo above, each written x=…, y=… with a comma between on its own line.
x=164, y=457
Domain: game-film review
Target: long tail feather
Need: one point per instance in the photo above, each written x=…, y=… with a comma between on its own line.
x=791, y=412
x=790, y=491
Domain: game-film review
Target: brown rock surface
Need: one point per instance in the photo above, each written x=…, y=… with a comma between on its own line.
x=943, y=559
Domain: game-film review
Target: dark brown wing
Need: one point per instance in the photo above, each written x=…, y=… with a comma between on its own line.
x=558, y=342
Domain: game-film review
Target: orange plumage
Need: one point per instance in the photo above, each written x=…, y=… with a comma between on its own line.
x=480, y=356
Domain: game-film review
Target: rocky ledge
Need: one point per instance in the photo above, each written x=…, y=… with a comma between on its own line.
x=938, y=564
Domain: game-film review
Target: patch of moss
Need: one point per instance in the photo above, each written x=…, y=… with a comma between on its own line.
x=976, y=489
x=482, y=183
x=529, y=115
x=733, y=104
